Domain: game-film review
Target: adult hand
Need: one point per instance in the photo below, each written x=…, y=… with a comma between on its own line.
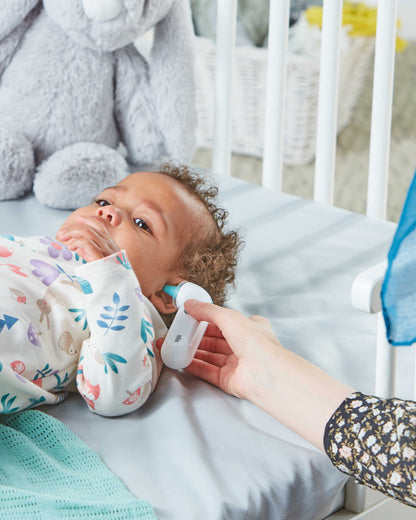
x=89, y=237
x=243, y=357
x=236, y=369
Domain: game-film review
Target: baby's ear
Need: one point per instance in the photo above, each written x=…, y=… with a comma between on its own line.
x=163, y=302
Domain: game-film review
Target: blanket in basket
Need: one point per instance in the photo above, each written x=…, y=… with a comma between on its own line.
x=46, y=472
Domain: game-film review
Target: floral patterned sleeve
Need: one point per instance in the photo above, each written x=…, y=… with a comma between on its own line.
x=374, y=440
x=119, y=365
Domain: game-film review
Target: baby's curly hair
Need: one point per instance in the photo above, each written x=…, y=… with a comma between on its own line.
x=210, y=257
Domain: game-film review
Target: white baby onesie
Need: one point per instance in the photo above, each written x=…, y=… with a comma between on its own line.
x=64, y=321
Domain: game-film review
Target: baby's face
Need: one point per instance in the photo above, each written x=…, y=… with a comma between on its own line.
x=148, y=214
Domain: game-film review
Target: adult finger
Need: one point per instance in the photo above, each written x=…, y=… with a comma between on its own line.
x=213, y=331
x=215, y=344
x=212, y=313
x=206, y=371
x=213, y=358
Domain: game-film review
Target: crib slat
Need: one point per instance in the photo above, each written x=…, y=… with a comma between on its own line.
x=275, y=94
x=328, y=102
x=225, y=42
x=382, y=109
x=385, y=362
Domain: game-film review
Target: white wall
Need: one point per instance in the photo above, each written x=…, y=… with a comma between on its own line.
x=407, y=14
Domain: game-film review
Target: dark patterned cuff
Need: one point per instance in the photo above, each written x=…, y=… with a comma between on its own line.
x=374, y=440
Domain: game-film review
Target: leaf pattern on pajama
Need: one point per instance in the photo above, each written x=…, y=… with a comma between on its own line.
x=67, y=325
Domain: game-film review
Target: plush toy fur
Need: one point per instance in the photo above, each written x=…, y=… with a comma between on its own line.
x=73, y=87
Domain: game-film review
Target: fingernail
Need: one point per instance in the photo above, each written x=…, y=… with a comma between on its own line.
x=159, y=343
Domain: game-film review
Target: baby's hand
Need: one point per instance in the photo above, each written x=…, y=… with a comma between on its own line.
x=89, y=237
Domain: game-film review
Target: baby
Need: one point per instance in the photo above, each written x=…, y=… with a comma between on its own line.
x=86, y=308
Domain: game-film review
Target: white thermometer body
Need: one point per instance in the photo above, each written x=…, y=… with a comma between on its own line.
x=185, y=333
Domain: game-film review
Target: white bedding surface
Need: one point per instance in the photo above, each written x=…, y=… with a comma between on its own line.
x=197, y=453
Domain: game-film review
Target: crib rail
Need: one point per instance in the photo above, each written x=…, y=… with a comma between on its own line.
x=326, y=139
x=365, y=296
x=328, y=99
x=226, y=27
x=275, y=95
x=382, y=109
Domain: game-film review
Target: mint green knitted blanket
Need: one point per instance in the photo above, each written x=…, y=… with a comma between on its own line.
x=48, y=473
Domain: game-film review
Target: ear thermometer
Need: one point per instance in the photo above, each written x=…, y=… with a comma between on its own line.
x=185, y=333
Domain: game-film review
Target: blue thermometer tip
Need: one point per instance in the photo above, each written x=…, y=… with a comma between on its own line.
x=172, y=290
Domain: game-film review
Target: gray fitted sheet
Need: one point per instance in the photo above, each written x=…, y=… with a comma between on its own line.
x=197, y=453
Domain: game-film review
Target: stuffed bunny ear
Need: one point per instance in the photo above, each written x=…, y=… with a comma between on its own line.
x=13, y=12
x=172, y=80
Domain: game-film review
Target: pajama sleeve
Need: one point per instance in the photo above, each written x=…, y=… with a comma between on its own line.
x=118, y=366
x=374, y=441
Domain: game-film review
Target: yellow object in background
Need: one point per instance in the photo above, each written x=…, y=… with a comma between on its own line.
x=360, y=17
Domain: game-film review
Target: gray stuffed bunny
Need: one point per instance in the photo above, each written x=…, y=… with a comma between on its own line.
x=73, y=86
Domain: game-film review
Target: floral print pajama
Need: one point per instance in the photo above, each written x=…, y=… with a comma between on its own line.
x=68, y=325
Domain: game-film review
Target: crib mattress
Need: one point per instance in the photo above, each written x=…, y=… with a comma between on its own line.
x=197, y=453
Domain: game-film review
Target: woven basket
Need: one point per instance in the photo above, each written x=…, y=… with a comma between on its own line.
x=301, y=97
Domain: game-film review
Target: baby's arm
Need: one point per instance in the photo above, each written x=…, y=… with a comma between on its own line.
x=118, y=366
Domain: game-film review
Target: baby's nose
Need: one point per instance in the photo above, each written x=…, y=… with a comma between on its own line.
x=111, y=214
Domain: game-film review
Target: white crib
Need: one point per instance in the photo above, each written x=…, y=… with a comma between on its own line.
x=366, y=288
x=209, y=456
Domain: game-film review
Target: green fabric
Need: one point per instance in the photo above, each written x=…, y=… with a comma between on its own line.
x=47, y=472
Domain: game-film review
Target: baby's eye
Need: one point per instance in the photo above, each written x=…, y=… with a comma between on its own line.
x=102, y=202
x=140, y=223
